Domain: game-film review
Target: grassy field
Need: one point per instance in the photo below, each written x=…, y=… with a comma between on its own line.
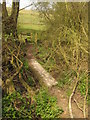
x=30, y=21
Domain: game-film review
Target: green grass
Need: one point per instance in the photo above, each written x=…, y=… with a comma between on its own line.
x=30, y=20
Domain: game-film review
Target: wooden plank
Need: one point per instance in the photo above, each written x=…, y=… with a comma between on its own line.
x=41, y=74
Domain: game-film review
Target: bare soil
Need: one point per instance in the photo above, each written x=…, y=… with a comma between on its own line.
x=63, y=100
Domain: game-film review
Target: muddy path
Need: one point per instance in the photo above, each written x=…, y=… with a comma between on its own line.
x=63, y=100
x=60, y=94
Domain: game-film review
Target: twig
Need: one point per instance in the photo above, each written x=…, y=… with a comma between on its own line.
x=70, y=99
x=25, y=7
x=15, y=55
x=27, y=87
x=84, y=108
x=18, y=54
x=78, y=104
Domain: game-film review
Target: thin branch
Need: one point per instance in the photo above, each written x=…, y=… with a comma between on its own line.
x=45, y=15
x=78, y=104
x=27, y=87
x=84, y=108
x=26, y=7
x=70, y=99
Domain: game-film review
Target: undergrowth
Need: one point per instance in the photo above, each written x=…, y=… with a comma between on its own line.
x=47, y=105
x=82, y=84
x=67, y=79
x=18, y=106
x=26, y=70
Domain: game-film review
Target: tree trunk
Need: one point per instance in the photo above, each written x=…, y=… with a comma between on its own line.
x=10, y=22
x=4, y=11
x=15, y=11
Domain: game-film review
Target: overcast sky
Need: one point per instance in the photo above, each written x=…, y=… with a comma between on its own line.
x=23, y=3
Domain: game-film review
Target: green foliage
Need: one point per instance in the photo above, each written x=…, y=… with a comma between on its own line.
x=26, y=66
x=66, y=35
x=27, y=74
x=44, y=58
x=31, y=81
x=47, y=105
x=82, y=84
x=66, y=78
x=40, y=54
x=25, y=63
x=16, y=106
x=69, y=91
